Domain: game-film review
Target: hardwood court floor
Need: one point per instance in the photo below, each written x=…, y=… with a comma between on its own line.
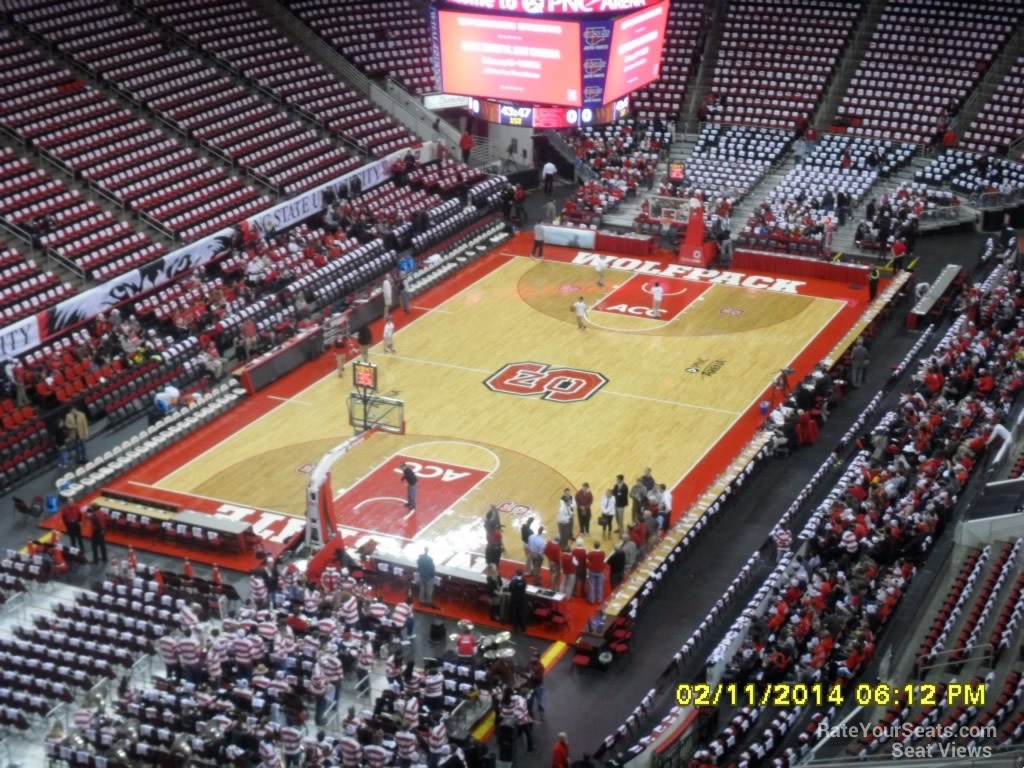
x=674, y=387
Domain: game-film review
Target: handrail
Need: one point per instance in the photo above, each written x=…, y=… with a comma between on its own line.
x=562, y=147
x=1017, y=145
x=446, y=131
x=968, y=648
x=995, y=199
x=413, y=114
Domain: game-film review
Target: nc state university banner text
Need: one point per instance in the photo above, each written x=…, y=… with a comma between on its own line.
x=19, y=337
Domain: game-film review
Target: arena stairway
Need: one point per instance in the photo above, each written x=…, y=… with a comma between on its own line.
x=742, y=213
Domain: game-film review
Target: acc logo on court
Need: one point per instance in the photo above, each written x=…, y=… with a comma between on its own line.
x=562, y=385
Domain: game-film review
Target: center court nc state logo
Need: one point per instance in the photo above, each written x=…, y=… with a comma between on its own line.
x=561, y=385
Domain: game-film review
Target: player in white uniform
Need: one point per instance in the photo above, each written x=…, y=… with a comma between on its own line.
x=580, y=309
x=656, y=293
x=599, y=268
x=389, y=334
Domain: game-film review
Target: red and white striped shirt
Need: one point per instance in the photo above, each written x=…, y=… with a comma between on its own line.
x=257, y=589
x=365, y=659
x=167, y=646
x=378, y=610
x=268, y=752
x=393, y=668
x=259, y=648
x=408, y=745
x=260, y=681
x=267, y=629
x=327, y=626
x=331, y=667
x=284, y=646
x=243, y=650
x=279, y=685
x=437, y=738
x=290, y=577
x=331, y=578
x=317, y=684
x=189, y=651
x=783, y=539
x=310, y=645
x=219, y=647
x=434, y=685
x=350, y=611
x=415, y=682
x=376, y=755
x=188, y=617
x=410, y=710
x=291, y=740
x=311, y=601
x=401, y=615
x=214, y=665
x=520, y=710
x=351, y=752
x=83, y=718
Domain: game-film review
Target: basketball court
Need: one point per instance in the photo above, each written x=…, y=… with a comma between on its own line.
x=507, y=402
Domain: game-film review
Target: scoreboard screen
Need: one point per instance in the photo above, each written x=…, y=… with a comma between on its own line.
x=587, y=62
x=635, y=58
x=518, y=59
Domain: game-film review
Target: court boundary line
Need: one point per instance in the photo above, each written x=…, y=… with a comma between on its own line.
x=305, y=389
x=288, y=400
x=669, y=402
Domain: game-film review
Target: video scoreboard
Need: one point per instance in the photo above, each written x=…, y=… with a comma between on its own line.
x=581, y=55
